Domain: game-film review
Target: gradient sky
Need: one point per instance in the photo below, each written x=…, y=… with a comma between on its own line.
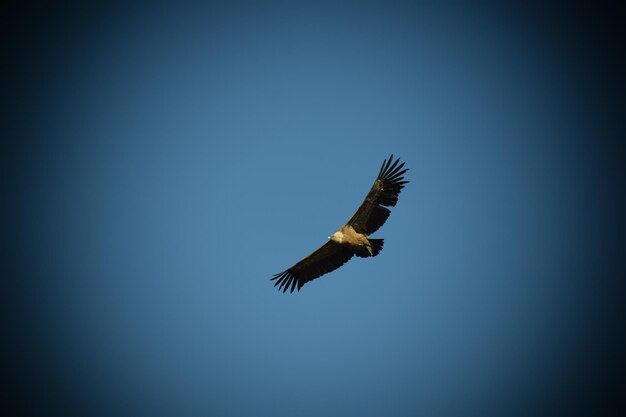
x=168, y=161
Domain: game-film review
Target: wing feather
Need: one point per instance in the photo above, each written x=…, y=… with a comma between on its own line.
x=373, y=212
x=326, y=258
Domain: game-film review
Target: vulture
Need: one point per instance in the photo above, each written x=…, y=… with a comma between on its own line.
x=353, y=237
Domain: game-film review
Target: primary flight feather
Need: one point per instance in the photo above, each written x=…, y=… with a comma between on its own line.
x=353, y=237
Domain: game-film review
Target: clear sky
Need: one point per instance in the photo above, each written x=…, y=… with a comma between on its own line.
x=171, y=160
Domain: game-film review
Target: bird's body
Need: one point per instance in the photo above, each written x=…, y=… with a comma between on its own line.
x=349, y=237
x=353, y=237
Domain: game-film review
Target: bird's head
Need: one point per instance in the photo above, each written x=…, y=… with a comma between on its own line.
x=337, y=237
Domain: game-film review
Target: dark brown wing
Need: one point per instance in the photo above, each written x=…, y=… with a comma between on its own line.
x=373, y=211
x=328, y=257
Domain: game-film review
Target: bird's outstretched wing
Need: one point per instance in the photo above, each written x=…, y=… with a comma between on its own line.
x=373, y=212
x=328, y=257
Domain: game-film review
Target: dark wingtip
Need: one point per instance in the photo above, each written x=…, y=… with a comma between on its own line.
x=385, y=166
x=392, y=169
x=286, y=281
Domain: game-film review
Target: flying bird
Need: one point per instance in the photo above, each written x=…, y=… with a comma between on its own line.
x=353, y=237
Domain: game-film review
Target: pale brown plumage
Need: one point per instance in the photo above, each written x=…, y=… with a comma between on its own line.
x=352, y=238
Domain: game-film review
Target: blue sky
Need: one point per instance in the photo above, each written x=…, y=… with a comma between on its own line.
x=175, y=159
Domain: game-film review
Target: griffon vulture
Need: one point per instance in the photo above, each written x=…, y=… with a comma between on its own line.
x=352, y=238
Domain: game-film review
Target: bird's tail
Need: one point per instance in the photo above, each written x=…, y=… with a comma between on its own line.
x=377, y=246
